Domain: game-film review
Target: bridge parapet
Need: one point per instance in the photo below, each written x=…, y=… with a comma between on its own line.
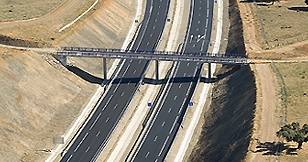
x=153, y=55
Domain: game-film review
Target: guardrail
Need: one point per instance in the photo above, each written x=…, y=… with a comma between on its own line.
x=153, y=55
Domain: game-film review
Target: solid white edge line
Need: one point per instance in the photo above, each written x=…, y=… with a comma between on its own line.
x=100, y=90
x=189, y=133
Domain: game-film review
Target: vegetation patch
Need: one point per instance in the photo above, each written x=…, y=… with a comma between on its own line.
x=11, y=10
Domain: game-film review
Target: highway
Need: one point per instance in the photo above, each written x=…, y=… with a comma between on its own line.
x=171, y=110
x=97, y=131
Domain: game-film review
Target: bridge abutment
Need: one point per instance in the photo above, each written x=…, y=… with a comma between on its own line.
x=62, y=59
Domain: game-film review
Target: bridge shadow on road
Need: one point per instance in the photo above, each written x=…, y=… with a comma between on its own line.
x=229, y=69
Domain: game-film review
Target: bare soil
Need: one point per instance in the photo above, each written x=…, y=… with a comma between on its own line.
x=28, y=80
x=12, y=10
x=276, y=32
x=228, y=123
x=278, y=40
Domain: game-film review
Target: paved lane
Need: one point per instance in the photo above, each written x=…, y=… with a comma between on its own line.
x=167, y=121
x=96, y=133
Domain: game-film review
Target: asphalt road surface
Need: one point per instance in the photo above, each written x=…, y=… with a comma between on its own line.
x=97, y=131
x=163, y=129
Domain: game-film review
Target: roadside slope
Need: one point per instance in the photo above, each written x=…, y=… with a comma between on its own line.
x=39, y=98
x=228, y=122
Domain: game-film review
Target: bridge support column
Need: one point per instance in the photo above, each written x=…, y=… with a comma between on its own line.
x=62, y=59
x=105, y=69
x=209, y=71
x=157, y=70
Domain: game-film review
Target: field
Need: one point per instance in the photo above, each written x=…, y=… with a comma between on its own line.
x=11, y=10
x=281, y=33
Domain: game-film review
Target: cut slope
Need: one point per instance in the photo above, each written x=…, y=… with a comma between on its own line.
x=40, y=99
x=227, y=128
x=228, y=122
x=35, y=107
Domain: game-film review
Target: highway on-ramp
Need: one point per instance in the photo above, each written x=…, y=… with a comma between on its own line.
x=97, y=131
x=171, y=110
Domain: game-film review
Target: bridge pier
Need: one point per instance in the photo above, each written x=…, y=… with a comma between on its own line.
x=157, y=70
x=209, y=71
x=105, y=69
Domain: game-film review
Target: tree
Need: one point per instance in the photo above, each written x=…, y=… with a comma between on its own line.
x=293, y=132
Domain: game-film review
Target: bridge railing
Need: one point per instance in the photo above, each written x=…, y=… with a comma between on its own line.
x=107, y=50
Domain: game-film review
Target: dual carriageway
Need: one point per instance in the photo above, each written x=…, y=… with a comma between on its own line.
x=171, y=109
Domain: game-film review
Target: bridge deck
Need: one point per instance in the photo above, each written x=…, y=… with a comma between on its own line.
x=153, y=55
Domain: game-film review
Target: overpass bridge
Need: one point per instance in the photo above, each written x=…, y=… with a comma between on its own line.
x=65, y=52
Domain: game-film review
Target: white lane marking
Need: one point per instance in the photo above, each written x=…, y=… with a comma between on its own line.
x=147, y=155
x=176, y=119
x=206, y=23
x=131, y=60
x=175, y=97
x=85, y=136
x=198, y=21
x=182, y=105
x=115, y=106
x=151, y=35
x=163, y=124
x=155, y=20
x=155, y=138
x=163, y=146
x=208, y=5
x=98, y=133
x=116, y=87
x=95, y=121
x=157, y=13
x=134, y=72
x=188, y=89
x=184, y=74
x=199, y=8
x=146, y=24
x=207, y=12
x=88, y=149
x=122, y=93
x=190, y=22
x=107, y=102
x=202, y=46
x=139, y=61
x=197, y=29
x=153, y=27
x=148, y=43
x=169, y=110
x=188, y=64
x=156, y=160
x=81, y=142
x=126, y=70
x=194, y=45
x=180, y=85
x=69, y=158
x=107, y=119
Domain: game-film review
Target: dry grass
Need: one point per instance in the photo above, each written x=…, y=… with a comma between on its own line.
x=25, y=9
x=295, y=77
x=44, y=31
x=284, y=22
